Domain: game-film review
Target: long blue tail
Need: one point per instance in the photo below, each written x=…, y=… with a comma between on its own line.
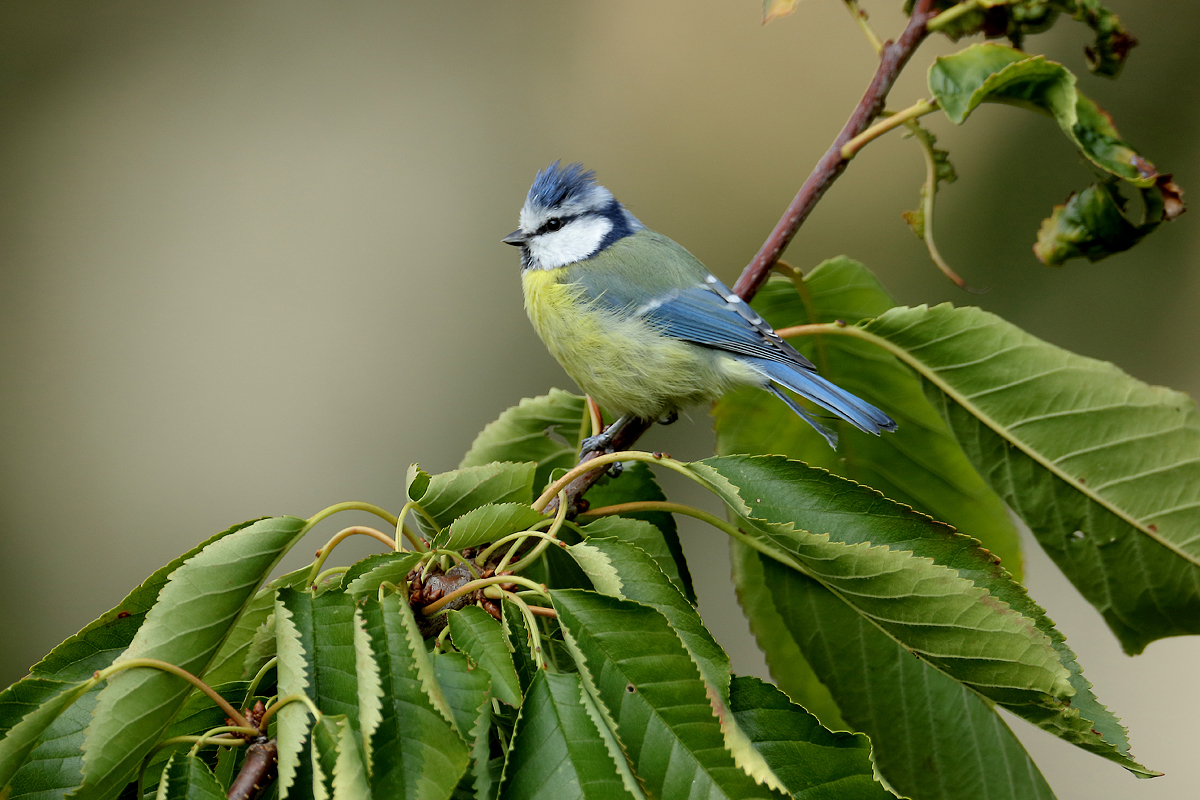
x=855, y=410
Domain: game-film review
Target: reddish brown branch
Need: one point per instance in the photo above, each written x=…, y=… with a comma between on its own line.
x=257, y=773
x=895, y=55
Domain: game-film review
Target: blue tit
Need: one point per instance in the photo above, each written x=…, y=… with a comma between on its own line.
x=640, y=324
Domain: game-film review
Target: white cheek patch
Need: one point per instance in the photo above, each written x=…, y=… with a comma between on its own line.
x=578, y=239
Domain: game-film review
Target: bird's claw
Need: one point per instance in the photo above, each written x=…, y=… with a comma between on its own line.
x=596, y=444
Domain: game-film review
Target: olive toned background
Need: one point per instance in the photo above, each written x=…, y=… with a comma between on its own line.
x=250, y=261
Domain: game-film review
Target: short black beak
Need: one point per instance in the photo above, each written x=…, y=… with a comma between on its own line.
x=516, y=238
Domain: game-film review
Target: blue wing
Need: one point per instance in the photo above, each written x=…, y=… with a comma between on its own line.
x=709, y=314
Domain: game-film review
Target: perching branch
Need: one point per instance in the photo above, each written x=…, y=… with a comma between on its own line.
x=892, y=60
x=832, y=164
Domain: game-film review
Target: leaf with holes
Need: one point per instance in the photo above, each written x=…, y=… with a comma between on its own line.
x=954, y=745
x=920, y=464
x=636, y=668
x=1104, y=469
x=557, y=750
x=931, y=589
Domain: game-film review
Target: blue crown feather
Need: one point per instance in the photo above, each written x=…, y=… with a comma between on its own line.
x=557, y=184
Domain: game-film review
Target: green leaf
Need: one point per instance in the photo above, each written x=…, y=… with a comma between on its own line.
x=338, y=767
x=546, y=430
x=635, y=483
x=367, y=575
x=921, y=464
x=623, y=570
x=186, y=777
x=198, y=715
x=195, y=611
x=232, y=659
x=448, y=496
x=999, y=74
x=1016, y=18
x=521, y=643
x=56, y=764
x=477, y=634
x=488, y=523
x=416, y=752
x=326, y=632
x=1103, y=468
x=36, y=703
x=788, y=665
x=54, y=767
x=467, y=690
x=1092, y=225
x=809, y=759
x=293, y=648
x=933, y=737
x=637, y=669
x=317, y=658
x=557, y=751
x=323, y=755
x=933, y=590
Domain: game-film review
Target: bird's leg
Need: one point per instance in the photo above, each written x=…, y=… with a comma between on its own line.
x=670, y=418
x=603, y=441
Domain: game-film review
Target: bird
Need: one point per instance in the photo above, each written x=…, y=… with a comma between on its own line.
x=641, y=325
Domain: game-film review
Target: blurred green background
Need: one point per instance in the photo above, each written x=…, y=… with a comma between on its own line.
x=250, y=261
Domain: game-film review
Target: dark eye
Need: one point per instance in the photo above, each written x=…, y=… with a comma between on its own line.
x=553, y=224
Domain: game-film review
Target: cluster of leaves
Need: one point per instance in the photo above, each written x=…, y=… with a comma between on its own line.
x=514, y=653
x=1093, y=223
x=594, y=676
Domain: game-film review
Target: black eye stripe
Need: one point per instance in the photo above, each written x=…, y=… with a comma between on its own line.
x=553, y=224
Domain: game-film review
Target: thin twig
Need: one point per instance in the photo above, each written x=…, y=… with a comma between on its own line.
x=830, y=167
x=893, y=57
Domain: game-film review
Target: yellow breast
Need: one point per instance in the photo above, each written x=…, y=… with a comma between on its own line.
x=626, y=365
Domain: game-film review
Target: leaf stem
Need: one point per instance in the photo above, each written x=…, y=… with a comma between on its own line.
x=890, y=122
x=458, y=559
x=860, y=17
x=180, y=672
x=943, y=19
x=283, y=701
x=555, y=527
x=262, y=673
x=664, y=505
x=482, y=558
x=535, y=635
x=595, y=417
x=411, y=536
x=931, y=181
x=609, y=458
x=207, y=737
x=352, y=505
x=474, y=586
x=338, y=538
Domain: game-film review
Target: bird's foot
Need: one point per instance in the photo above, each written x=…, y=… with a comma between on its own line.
x=600, y=443
x=669, y=419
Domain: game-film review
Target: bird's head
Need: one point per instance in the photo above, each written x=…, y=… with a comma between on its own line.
x=568, y=217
